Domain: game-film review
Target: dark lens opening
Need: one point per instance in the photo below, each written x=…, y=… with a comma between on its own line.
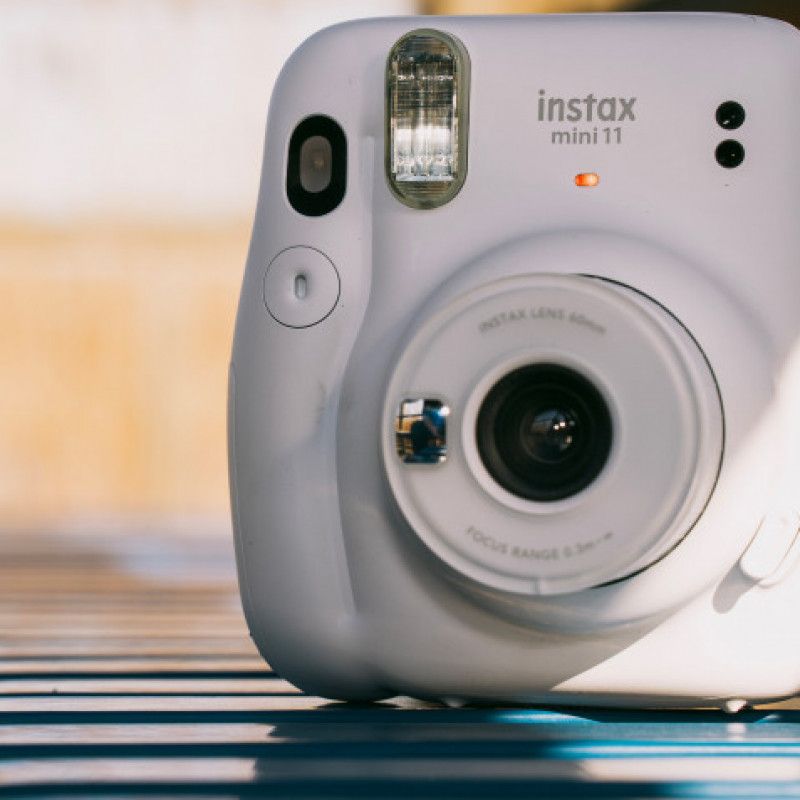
x=316, y=170
x=544, y=432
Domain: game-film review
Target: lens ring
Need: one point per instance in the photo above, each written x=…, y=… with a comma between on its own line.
x=544, y=432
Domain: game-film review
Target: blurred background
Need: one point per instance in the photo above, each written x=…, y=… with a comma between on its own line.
x=130, y=150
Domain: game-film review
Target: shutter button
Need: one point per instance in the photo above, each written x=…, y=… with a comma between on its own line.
x=301, y=287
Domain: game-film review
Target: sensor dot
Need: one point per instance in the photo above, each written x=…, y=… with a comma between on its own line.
x=730, y=154
x=730, y=115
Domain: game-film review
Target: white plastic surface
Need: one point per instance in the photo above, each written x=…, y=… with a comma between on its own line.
x=772, y=544
x=342, y=594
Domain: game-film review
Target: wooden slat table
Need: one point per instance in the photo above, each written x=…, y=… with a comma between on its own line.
x=126, y=671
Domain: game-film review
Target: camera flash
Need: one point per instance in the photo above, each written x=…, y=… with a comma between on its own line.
x=587, y=179
x=426, y=118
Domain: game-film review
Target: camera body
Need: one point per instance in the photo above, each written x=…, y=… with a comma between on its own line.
x=514, y=388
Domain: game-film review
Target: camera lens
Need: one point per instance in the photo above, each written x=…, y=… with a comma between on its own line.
x=730, y=115
x=544, y=432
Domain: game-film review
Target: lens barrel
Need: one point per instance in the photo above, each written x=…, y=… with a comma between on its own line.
x=544, y=432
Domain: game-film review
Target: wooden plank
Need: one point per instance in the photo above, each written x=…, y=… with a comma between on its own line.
x=131, y=684
x=130, y=665
x=335, y=725
x=10, y=705
x=366, y=770
x=55, y=649
x=144, y=624
x=116, y=733
x=184, y=771
x=129, y=672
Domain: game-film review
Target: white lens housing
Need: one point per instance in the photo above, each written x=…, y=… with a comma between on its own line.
x=665, y=453
x=427, y=95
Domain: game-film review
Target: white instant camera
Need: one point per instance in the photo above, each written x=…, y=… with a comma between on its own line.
x=514, y=410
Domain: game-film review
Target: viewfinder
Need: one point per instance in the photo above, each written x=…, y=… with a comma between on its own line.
x=316, y=169
x=315, y=164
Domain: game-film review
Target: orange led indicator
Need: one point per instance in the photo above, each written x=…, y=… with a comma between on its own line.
x=587, y=179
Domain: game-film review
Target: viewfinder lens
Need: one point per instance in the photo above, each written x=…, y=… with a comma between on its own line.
x=316, y=159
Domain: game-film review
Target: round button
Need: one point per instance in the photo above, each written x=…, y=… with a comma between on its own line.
x=730, y=115
x=301, y=287
x=730, y=154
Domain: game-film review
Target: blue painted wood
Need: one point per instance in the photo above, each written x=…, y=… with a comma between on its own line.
x=247, y=734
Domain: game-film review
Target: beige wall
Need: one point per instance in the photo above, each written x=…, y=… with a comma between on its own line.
x=114, y=343
x=130, y=153
x=152, y=109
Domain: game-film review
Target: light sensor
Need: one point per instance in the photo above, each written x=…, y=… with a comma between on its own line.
x=587, y=179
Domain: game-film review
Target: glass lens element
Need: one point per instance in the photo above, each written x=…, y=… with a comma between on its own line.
x=544, y=432
x=427, y=97
x=550, y=434
x=316, y=163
